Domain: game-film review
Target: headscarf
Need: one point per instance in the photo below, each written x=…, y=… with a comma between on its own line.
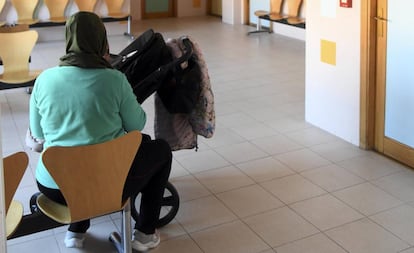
x=86, y=41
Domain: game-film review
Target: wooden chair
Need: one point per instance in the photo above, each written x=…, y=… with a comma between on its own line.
x=14, y=167
x=2, y=3
x=92, y=178
x=259, y=29
x=276, y=10
x=15, y=49
x=115, y=9
x=115, y=12
x=25, y=11
x=294, y=7
x=86, y=5
x=57, y=10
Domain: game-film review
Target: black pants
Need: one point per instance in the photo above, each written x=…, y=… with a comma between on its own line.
x=149, y=175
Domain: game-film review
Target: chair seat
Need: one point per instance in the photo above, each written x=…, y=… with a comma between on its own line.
x=19, y=76
x=56, y=211
x=276, y=16
x=13, y=217
x=57, y=20
x=117, y=15
x=261, y=13
x=295, y=20
x=28, y=21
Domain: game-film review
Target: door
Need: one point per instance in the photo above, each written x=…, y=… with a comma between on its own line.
x=158, y=8
x=394, y=122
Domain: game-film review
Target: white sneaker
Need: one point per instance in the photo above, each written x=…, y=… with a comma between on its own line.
x=74, y=240
x=144, y=242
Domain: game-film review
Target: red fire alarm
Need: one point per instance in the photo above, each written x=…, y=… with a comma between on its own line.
x=345, y=3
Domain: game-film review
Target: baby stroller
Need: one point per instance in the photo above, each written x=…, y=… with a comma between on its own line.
x=150, y=66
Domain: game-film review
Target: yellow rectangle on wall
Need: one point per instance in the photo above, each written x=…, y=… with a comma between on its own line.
x=196, y=3
x=328, y=52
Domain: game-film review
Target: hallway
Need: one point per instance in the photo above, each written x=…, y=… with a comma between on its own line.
x=267, y=181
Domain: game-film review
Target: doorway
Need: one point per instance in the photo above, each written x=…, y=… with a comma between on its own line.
x=386, y=82
x=158, y=9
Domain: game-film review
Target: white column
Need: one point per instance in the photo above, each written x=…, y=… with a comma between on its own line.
x=232, y=12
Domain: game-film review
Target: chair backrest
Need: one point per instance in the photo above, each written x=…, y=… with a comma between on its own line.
x=114, y=6
x=25, y=8
x=15, y=50
x=14, y=167
x=56, y=8
x=276, y=6
x=294, y=7
x=92, y=177
x=86, y=5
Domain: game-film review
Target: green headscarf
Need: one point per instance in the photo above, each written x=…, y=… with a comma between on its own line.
x=86, y=41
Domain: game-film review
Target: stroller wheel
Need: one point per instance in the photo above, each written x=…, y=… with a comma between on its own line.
x=169, y=208
x=33, y=203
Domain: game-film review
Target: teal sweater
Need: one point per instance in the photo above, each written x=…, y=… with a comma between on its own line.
x=72, y=106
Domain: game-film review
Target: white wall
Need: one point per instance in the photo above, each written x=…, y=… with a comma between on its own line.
x=332, y=92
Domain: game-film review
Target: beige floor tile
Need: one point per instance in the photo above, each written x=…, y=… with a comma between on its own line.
x=332, y=177
x=223, y=179
x=318, y=243
x=189, y=188
x=311, y=136
x=251, y=131
x=288, y=124
x=265, y=169
x=40, y=245
x=177, y=170
x=201, y=161
x=234, y=237
x=241, y=152
x=369, y=168
x=326, y=212
x=367, y=198
x=249, y=200
x=302, y=159
x=223, y=137
x=364, y=236
x=203, y=213
x=338, y=151
x=280, y=226
x=398, y=184
x=399, y=221
x=182, y=244
x=293, y=188
x=410, y=250
x=276, y=144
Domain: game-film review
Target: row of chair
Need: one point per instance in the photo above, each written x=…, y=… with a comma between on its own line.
x=276, y=14
x=72, y=168
x=26, y=9
x=17, y=43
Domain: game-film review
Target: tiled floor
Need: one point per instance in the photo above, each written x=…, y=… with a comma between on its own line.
x=267, y=181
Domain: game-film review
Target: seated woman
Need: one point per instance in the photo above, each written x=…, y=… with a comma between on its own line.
x=85, y=101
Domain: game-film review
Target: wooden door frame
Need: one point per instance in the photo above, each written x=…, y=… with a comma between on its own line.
x=368, y=74
x=173, y=6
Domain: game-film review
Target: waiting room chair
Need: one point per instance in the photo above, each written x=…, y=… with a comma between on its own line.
x=259, y=28
x=57, y=10
x=25, y=11
x=14, y=167
x=115, y=12
x=276, y=10
x=15, y=49
x=91, y=179
x=86, y=5
x=294, y=7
